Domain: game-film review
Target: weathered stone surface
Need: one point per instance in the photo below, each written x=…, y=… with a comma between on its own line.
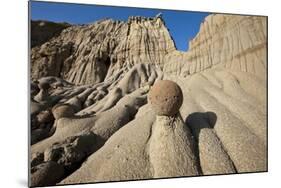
x=64, y=110
x=171, y=148
x=46, y=174
x=101, y=74
x=88, y=54
x=231, y=41
x=45, y=116
x=166, y=97
x=126, y=151
x=72, y=151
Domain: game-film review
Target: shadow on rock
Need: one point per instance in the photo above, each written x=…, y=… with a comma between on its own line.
x=201, y=120
x=198, y=121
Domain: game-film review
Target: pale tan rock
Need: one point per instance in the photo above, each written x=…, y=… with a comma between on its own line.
x=171, y=150
x=112, y=65
x=231, y=41
x=88, y=54
x=121, y=153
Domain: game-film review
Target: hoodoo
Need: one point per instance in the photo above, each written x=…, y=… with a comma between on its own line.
x=171, y=146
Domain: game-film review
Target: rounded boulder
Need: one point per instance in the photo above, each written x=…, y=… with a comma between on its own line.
x=165, y=97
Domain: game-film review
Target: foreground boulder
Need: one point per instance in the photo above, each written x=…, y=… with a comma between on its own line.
x=166, y=97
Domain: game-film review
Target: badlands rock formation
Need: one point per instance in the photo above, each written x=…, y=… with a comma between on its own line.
x=92, y=53
x=91, y=119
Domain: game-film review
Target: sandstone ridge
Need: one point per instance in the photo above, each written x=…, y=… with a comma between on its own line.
x=90, y=53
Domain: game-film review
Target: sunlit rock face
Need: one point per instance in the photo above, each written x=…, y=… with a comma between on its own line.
x=42, y=31
x=88, y=54
x=234, y=42
x=91, y=111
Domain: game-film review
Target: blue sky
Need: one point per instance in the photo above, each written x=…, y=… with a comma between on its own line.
x=183, y=25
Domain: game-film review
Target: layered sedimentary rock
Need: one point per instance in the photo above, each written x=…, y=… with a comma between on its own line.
x=234, y=42
x=88, y=54
x=91, y=117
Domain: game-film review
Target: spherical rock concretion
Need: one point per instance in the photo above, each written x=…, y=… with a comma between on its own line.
x=63, y=110
x=165, y=97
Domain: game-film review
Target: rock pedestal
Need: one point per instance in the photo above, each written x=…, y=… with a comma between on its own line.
x=171, y=149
